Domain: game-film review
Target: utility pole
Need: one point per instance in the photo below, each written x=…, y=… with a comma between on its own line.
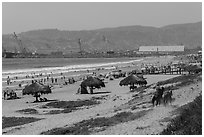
x=106, y=43
x=80, y=48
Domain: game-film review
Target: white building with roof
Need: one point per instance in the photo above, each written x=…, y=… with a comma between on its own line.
x=161, y=49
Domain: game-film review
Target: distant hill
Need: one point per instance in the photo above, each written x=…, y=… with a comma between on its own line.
x=120, y=38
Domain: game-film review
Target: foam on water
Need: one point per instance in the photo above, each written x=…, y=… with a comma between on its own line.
x=56, y=70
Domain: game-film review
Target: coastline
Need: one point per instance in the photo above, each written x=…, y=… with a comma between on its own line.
x=75, y=71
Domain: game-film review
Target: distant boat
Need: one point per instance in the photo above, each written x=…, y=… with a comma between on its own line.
x=8, y=55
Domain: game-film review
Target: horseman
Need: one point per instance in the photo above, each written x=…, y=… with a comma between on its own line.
x=158, y=95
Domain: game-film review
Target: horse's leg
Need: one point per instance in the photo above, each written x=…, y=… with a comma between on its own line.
x=153, y=100
x=165, y=101
x=170, y=99
x=157, y=101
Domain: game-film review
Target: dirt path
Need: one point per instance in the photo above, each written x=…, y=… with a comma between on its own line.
x=151, y=123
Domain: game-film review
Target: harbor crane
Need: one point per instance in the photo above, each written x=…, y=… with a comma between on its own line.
x=79, y=42
x=107, y=43
x=20, y=44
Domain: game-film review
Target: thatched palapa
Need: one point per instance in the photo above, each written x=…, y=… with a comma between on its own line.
x=93, y=82
x=133, y=79
x=36, y=88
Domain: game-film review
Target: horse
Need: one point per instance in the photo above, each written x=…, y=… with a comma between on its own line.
x=158, y=96
x=167, y=97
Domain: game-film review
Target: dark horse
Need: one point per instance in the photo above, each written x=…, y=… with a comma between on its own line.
x=158, y=96
x=167, y=97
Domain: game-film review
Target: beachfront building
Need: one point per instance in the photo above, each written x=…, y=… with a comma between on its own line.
x=160, y=49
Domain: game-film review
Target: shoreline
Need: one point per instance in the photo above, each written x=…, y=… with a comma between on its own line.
x=79, y=73
x=69, y=68
x=69, y=64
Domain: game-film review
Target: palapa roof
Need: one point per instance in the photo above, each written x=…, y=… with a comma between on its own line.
x=36, y=88
x=93, y=82
x=132, y=79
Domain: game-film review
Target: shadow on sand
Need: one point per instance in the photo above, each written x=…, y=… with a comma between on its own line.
x=49, y=100
x=105, y=92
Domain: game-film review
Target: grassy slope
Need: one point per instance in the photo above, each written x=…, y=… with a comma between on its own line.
x=189, y=122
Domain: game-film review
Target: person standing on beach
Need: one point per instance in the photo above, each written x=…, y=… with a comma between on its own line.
x=8, y=80
x=52, y=80
x=5, y=93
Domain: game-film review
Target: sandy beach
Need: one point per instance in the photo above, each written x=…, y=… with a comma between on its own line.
x=113, y=99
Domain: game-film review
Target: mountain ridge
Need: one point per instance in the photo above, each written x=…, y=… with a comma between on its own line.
x=118, y=38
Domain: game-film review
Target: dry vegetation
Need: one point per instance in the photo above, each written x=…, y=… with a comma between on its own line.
x=66, y=106
x=183, y=80
x=16, y=121
x=87, y=127
x=28, y=111
x=189, y=122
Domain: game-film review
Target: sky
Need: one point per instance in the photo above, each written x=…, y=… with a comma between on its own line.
x=21, y=16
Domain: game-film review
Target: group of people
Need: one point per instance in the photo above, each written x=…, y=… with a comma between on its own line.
x=162, y=69
x=9, y=94
x=160, y=95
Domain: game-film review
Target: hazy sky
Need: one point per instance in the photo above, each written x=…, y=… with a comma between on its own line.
x=20, y=17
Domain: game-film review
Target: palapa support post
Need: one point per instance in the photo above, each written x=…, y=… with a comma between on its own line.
x=91, y=90
x=36, y=98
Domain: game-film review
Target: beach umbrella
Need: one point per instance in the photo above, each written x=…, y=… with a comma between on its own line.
x=131, y=80
x=36, y=89
x=93, y=82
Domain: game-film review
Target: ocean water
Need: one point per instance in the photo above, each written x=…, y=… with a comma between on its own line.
x=25, y=66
